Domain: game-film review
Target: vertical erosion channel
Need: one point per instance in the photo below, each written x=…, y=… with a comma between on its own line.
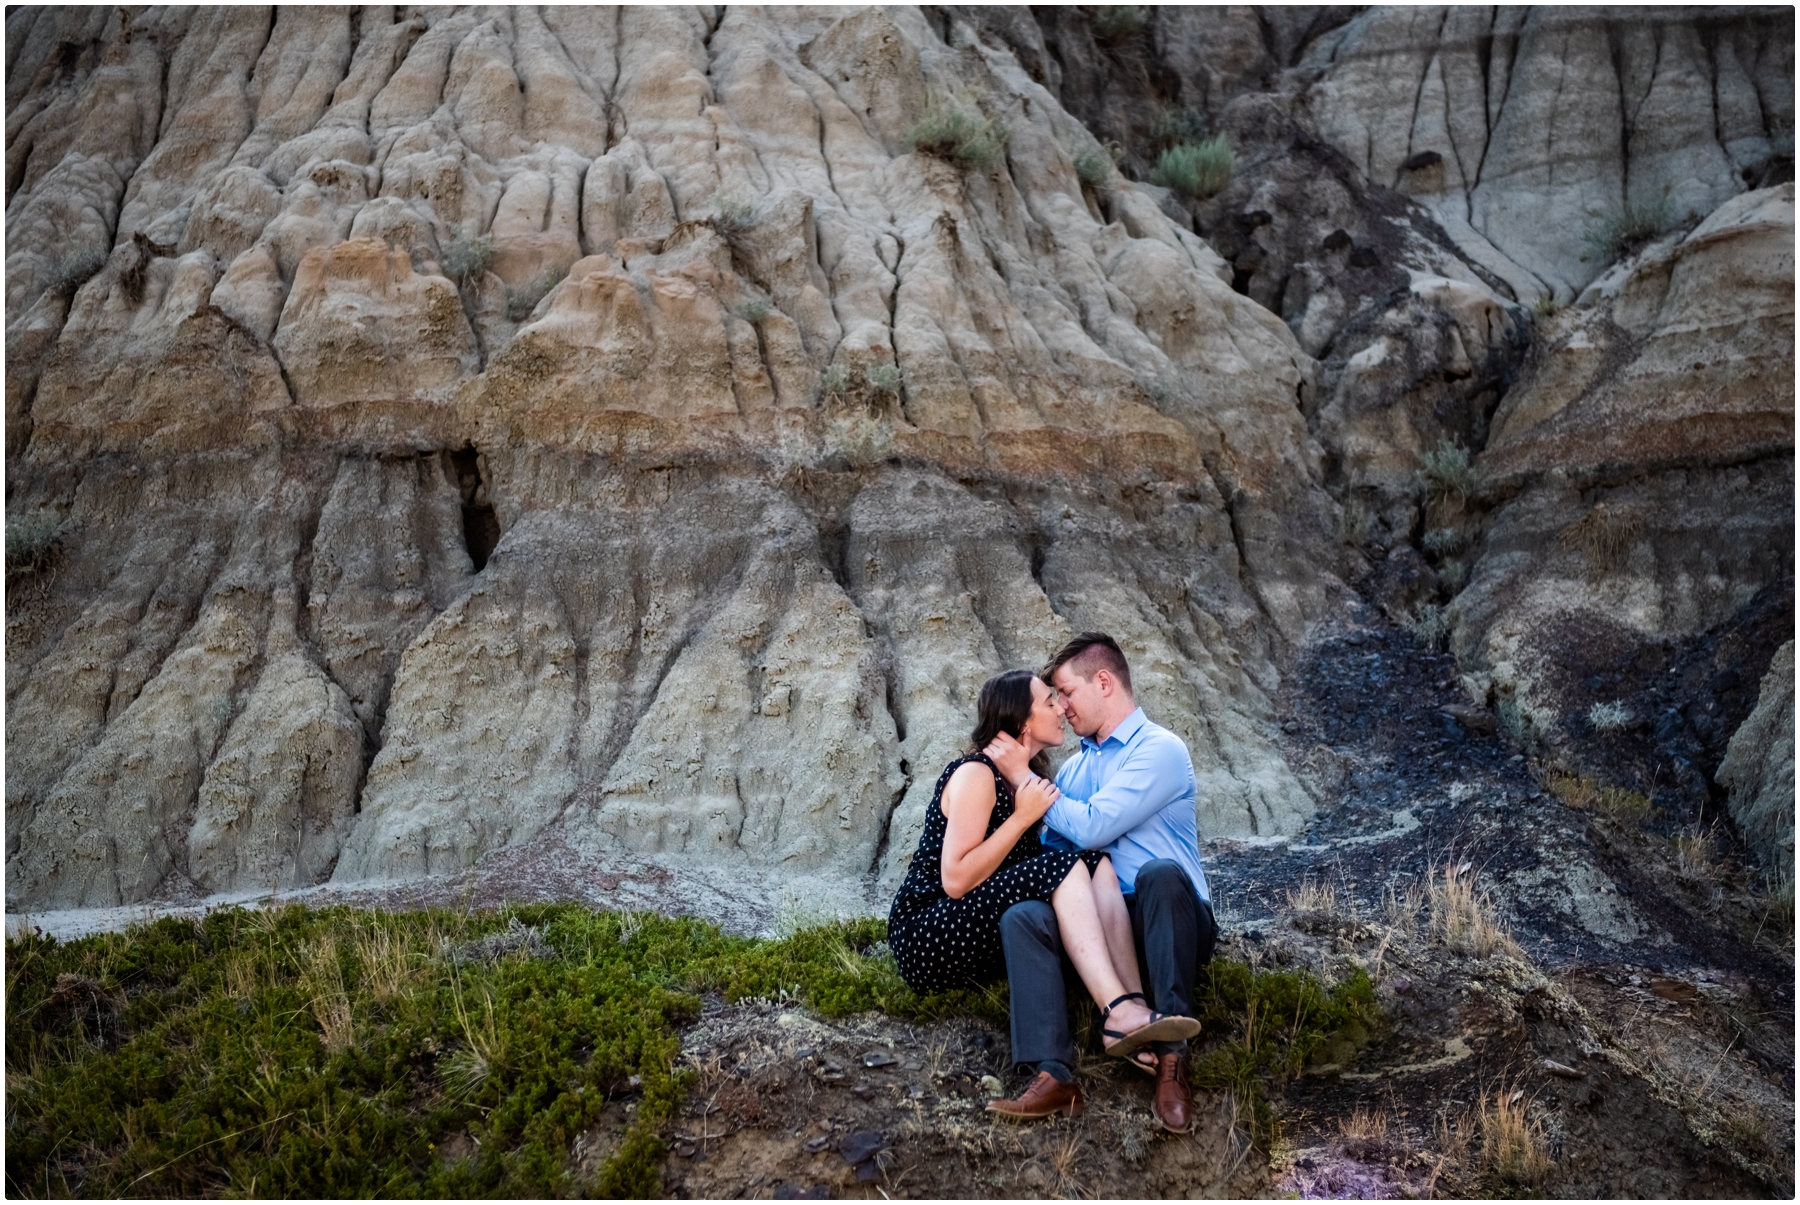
x=481, y=529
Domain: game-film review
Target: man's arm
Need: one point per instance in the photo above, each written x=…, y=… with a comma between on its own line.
x=1151, y=776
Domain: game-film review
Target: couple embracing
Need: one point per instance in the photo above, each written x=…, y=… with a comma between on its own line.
x=1016, y=876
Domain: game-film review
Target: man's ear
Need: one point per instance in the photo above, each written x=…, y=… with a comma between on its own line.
x=1103, y=678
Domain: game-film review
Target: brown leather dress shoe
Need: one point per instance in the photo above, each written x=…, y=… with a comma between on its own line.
x=1173, y=1104
x=1045, y=1096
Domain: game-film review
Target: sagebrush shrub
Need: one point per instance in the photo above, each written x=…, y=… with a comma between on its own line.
x=1197, y=169
x=951, y=132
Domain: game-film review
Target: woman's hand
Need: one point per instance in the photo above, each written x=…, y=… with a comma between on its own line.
x=1035, y=798
x=970, y=855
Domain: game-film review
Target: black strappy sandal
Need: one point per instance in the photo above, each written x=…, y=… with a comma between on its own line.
x=1136, y=1058
x=1159, y=1028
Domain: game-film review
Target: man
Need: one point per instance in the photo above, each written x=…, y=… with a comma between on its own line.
x=1129, y=791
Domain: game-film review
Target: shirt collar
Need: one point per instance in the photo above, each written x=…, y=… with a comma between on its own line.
x=1128, y=728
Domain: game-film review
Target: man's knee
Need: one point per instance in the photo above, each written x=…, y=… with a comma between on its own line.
x=1165, y=882
x=1032, y=921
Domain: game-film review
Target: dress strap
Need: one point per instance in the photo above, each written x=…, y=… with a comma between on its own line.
x=1000, y=783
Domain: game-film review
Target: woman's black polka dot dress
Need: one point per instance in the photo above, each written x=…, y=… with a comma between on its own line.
x=941, y=943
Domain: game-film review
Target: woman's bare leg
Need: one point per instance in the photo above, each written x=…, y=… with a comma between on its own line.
x=1115, y=922
x=1085, y=942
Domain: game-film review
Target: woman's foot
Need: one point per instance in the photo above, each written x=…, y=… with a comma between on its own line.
x=1127, y=1026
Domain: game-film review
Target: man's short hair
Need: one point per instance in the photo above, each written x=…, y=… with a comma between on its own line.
x=1088, y=654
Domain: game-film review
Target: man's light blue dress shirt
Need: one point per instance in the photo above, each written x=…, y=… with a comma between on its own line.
x=1131, y=795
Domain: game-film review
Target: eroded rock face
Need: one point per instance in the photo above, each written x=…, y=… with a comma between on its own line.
x=788, y=434
x=1641, y=472
x=467, y=429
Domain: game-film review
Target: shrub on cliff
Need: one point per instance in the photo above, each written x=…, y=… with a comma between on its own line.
x=1614, y=234
x=1446, y=471
x=524, y=299
x=1115, y=24
x=31, y=542
x=466, y=256
x=1197, y=169
x=954, y=130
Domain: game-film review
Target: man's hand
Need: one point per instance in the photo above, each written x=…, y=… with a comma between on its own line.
x=1010, y=756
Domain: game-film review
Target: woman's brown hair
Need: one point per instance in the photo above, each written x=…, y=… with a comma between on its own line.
x=1004, y=706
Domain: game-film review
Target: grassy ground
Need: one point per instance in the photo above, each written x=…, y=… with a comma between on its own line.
x=299, y=1052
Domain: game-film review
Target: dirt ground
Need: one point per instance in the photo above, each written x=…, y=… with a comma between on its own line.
x=786, y=1105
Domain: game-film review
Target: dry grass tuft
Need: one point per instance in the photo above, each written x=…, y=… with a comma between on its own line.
x=384, y=962
x=1364, y=1125
x=1604, y=536
x=1403, y=907
x=1466, y=920
x=243, y=974
x=1064, y=1155
x=1586, y=794
x=462, y=1071
x=1314, y=904
x=330, y=1002
x=1313, y=896
x=1513, y=1146
x=1697, y=856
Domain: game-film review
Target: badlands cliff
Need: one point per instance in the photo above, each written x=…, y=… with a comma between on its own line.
x=454, y=430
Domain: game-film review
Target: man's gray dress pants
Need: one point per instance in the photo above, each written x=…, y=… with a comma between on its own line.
x=1174, y=930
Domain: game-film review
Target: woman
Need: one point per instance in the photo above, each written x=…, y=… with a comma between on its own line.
x=979, y=855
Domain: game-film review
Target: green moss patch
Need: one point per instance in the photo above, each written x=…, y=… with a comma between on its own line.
x=336, y=1052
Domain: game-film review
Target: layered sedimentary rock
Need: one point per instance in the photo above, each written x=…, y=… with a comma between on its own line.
x=463, y=428
x=1759, y=768
x=1641, y=472
x=464, y=425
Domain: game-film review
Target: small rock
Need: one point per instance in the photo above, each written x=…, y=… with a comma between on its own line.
x=1477, y=719
x=815, y=1145
x=1567, y=1072
x=862, y=1146
x=912, y=1065
x=685, y=1149
x=830, y=1072
x=864, y=1090
x=992, y=1087
x=636, y=1081
x=878, y=1058
x=805, y=1052
x=916, y=1092
x=801, y=1192
x=1401, y=985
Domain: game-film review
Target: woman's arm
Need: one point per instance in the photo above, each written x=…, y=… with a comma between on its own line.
x=968, y=804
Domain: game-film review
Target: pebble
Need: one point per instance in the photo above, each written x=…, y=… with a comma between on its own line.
x=864, y=1090
x=992, y=1087
x=1567, y=1072
x=878, y=1058
x=815, y=1145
